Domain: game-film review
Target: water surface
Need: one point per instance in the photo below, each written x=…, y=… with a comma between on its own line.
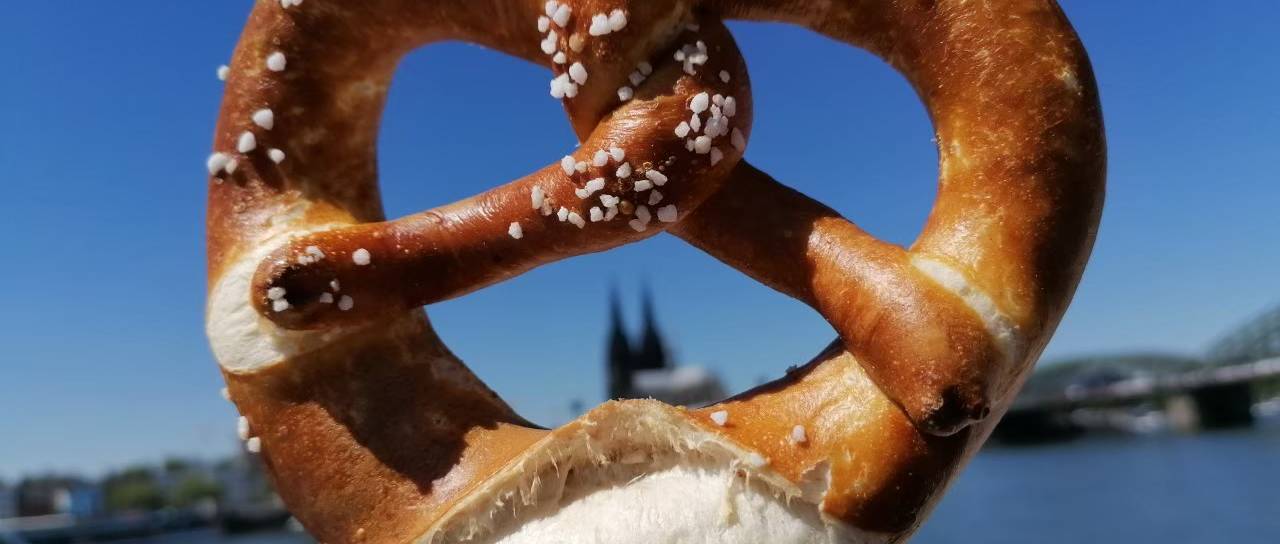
x=1213, y=487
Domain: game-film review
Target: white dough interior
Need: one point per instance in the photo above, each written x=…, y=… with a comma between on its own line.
x=703, y=503
x=243, y=341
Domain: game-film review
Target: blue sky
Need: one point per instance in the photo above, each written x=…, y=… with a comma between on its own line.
x=107, y=113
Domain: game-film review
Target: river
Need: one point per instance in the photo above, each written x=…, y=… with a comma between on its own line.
x=1207, y=488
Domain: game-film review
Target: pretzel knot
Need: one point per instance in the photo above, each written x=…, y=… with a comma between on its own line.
x=661, y=101
x=375, y=432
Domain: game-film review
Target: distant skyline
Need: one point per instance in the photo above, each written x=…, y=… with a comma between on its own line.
x=107, y=127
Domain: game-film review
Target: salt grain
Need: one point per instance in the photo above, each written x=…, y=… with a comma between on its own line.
x=578, y=73
x=550, y=42
x=217, y=162
x=561, y=16
x=264, y=118
x=599, y=25
x=798, y=434
x=716, y=156
x=700, y=102
x=276, y=62
x=617, y=20
x=247, y=142
x=702, y=145
x=668, y=213
x=536, y=197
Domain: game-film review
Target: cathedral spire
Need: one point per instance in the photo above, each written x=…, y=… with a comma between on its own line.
x=621, y=359
x=653, y=350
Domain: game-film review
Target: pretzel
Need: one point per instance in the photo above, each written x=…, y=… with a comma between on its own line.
x=374, y=432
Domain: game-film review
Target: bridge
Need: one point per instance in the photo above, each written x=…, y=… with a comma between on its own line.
x=1140, y=391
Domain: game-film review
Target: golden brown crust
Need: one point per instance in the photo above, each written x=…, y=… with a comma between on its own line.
x=374, y=432
x=371, y=436
x=882, y=470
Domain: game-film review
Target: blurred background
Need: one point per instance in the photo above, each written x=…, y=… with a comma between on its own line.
x=1152, y=416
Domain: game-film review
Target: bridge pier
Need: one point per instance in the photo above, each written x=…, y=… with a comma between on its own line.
x=1036, y=426
x=1182, y=413
x=1221, y=406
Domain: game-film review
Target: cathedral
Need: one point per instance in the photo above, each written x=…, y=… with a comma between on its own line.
x=644, y=369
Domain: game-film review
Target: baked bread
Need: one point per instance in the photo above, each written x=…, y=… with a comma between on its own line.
x=374, y=432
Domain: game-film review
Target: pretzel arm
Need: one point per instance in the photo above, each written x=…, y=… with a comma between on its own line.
x=358, y=273
x=917, y=341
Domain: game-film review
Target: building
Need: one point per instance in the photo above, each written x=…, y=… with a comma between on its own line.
x=8, y=501
x=645, y=370
x=248, y=502
x=81, y=501
x=53, y=494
